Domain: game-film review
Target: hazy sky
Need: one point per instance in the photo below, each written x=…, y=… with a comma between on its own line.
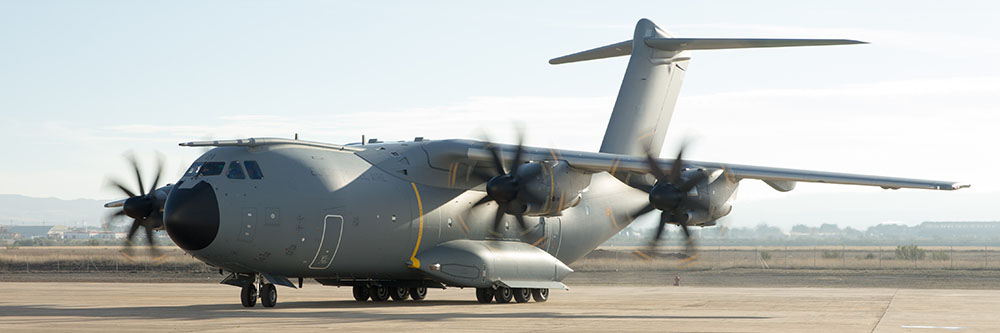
x=81, y=82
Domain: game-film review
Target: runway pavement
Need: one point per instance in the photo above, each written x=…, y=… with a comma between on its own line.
x=26, y=306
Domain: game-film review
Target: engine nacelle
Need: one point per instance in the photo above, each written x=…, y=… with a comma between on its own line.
x=551, y=186
x=708, y=201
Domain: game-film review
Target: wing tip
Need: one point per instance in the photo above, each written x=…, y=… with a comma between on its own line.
x=958, y=186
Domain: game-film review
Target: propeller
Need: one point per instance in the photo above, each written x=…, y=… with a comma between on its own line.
x=669, y=195
x=506, y=188
x=145, y=208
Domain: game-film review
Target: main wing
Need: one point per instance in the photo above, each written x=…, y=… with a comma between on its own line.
x=621, y=165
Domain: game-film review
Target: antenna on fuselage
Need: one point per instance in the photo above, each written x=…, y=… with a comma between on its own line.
x=296, y=136
x=362, y=139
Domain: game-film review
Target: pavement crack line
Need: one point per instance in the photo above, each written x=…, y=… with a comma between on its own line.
x=886, y=310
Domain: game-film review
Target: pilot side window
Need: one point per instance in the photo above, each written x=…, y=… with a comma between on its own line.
x=211, y=168
x=193, y=170
x=253, y=169
x=235, y=171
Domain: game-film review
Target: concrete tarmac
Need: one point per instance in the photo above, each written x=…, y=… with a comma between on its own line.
x=28, y=306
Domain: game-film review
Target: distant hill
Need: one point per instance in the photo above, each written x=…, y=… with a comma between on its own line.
x=29, y=210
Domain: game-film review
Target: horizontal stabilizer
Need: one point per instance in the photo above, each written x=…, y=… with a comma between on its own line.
x=608, y=51
x=683, y=44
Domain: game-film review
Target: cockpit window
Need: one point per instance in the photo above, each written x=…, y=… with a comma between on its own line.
x=235, y=171
x=211, y=168
x=193, y=170
x=253, y=170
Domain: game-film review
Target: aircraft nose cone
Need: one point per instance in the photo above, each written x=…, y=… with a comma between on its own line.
x=191, y=216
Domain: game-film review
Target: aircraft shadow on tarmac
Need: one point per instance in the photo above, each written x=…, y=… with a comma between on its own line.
x=348, y=311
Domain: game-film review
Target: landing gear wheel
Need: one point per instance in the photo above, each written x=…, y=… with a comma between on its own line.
x=521, y=295
x=541, y=295
x=418, y=294
x=399, y=293
x=378, y=293
x=504, y=295
x=248, y=296
x=268, y=295
x=360, y=293
x=484, y=295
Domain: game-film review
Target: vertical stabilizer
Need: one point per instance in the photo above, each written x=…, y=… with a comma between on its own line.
x=653, y=80
x=647, y=96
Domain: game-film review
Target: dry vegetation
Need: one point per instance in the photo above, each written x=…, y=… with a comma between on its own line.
x=798, y=257
x=801, y=266
x=95, y=259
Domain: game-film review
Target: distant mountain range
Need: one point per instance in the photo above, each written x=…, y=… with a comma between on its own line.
x=21, y=209
x=858, y=210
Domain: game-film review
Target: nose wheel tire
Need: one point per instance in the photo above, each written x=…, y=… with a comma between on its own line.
x=248, y=296
x=504, y=295
x=521, y=295
x=541, y=295
x=360, y=293
x=378, y=293
x=418, y=294
x=484, y=295
x=268, y=295
x=399, y=294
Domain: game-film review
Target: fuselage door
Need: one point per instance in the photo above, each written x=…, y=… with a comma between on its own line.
x=553, y=231
x=333, y=228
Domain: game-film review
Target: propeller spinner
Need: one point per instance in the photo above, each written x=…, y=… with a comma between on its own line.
x=507, y=188
x=670, y=195
x=145, y=209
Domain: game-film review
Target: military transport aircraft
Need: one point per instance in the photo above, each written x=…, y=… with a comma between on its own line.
x=392, y=219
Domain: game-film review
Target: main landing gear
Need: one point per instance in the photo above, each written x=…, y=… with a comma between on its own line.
x=505, y=295
x=382, y=293
x=268, y=294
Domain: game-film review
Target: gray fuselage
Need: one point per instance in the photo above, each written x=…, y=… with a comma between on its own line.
x=356, y=215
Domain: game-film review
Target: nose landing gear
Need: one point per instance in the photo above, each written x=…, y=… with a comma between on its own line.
x=249, y=293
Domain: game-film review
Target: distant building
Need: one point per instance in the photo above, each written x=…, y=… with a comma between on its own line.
x=93, y=234
x=31, y=231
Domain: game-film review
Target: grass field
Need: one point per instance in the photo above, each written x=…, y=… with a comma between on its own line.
x=791, y=257
x=801, y=266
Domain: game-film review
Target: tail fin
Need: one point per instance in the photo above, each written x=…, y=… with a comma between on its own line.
x=653, y=80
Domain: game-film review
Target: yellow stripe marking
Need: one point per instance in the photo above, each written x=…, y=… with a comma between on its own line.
x=420, y=234
x=612, y=216
x=642, y=255
x=730, y=178
x=689, y=260
x=553, y=152
x=130, y=258
x=614, y=167
x=454, y=174
x=539, y=241
x=552, y=190
x=562, y=196
x=465, y=228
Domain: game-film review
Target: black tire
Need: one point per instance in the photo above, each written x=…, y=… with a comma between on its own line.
x=484, y=295
x=504, y=295
x=268, y=295
x=378, y=293
x=360, y=293
x=418, y=294
x=399, y=293
x=541, y=295
x=521, y=295
x=248, y=296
